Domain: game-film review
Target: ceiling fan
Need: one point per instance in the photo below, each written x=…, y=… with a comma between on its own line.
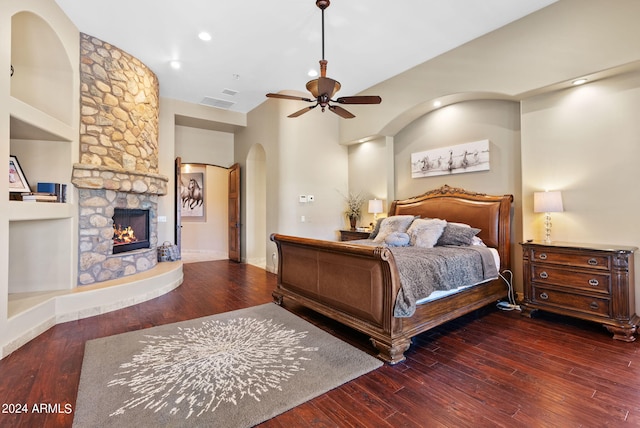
x=324, y=88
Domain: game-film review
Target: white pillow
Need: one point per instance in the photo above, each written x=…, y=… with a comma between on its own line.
x=395, y=223
x=425, y=232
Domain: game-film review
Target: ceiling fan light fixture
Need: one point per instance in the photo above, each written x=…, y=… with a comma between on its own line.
x=329, y=87
x=324, y=88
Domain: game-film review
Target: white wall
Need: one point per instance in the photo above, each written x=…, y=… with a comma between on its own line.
x=585, y=141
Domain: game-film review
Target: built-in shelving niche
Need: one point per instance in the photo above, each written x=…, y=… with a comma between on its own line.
x=42, y=137
x=42, y=72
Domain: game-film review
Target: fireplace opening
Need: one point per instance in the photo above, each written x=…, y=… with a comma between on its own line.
x=130, y=230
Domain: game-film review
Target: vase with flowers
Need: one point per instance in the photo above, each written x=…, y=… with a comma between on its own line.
x=354, y=208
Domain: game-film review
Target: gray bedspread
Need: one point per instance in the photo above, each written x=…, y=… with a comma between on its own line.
x=425, y=270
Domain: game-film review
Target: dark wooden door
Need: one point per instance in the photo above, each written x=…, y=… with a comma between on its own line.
x=178, y=209
x=234, y=213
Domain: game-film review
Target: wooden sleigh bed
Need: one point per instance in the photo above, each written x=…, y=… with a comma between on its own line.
x=357, y=285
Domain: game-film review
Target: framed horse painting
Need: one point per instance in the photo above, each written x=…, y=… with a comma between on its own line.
x=192, y=192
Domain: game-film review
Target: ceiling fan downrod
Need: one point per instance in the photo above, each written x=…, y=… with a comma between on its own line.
x=324, y=88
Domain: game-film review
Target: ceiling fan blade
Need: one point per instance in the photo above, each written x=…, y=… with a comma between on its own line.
x=302, y=111
x=289, y=97
x=342, y=112
x=362, y=99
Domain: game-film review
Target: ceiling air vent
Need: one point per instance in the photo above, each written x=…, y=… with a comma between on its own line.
x=216, y=102
x=228, y=91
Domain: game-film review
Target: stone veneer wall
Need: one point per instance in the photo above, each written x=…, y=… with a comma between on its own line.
x=119, y=115
x=118, y=158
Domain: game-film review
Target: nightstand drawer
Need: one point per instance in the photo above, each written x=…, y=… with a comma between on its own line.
x=592, y=281
x=587, y=304
x=570, y=259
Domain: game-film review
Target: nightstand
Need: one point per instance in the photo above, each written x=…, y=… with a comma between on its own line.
x=351, y=235
x=588, y=281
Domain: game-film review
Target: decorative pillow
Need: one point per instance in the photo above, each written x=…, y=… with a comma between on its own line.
x=425, y=232
x=458, y=234
x=395, y=223
x=397, y=239
x=477, y=241
x=376, y=229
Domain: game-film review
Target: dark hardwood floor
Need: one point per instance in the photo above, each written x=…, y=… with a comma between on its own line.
x=490, y=369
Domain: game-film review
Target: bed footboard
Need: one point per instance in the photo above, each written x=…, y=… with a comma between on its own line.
x=352, y=284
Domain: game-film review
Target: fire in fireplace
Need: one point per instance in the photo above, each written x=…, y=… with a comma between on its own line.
x=130, y=229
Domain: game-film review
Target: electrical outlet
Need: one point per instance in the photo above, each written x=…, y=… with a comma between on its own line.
x=303, y=198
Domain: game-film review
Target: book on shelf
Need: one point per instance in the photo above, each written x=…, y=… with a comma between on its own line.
x=39, y=197
x=58, y=189
x=46, y=192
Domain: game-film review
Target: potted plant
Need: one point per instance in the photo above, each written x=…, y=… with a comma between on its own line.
x=354, y=208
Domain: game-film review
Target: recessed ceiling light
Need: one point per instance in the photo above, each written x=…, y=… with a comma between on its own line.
x=204, y=36
x=312, y=73
x=437, y=103
x=175, y=64
x=579, y=81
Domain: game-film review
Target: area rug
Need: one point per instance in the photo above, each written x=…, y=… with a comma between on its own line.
x=235, y=369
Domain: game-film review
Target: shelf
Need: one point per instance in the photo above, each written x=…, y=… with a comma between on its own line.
x=29, y=123
x=19, y=210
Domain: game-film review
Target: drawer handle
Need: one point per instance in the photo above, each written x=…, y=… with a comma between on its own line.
x=594, y=305
x=544, y=296
x=594, y=282
x=543, y=256
x=544, y=275
x=593, y=262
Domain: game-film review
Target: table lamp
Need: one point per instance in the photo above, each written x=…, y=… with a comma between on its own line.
x=375, y=208
x=547, y=203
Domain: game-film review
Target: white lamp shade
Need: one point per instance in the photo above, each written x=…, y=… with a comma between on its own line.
x=375, y=206
x=547, y=202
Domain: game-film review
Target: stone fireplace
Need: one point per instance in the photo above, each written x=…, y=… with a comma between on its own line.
x=130, y=229
x=101, y=192
x=118, y=167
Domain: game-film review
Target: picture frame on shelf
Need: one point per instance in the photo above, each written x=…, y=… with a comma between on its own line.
x=17, y=180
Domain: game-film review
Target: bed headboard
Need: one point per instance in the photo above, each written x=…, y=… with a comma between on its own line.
x=490, y=214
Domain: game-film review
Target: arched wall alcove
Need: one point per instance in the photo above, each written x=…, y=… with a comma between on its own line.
x=42, y=72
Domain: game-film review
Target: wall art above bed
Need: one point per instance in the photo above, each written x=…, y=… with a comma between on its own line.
x=467, y=157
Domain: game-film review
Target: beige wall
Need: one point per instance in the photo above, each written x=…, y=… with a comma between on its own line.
x=197, y=145
x=302, y=157
x=197, y=127
x=214, y=148
x=568, y=39
x=210, y=236
x=495, y=120
x=585, y=141
x=370, y=174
